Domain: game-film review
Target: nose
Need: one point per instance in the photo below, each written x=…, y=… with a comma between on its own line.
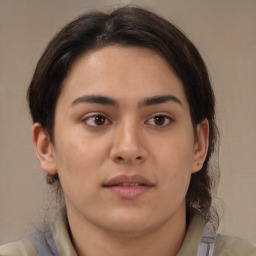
x=128, y=145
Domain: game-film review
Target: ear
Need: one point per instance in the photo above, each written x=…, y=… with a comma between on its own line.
x=201, y=145
x=44, y=149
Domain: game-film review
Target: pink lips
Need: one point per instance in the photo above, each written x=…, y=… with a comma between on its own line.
x=128, y=187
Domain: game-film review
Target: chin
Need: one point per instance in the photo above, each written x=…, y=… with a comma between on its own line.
x=132, y=224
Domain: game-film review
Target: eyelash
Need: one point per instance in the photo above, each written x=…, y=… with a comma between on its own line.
x=105, y=121
x=167, y=120
x=93, y=118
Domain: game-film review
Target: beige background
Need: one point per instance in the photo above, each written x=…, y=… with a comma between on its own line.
x=225, y=34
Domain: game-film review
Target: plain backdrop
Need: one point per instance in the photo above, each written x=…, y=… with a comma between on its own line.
x=225, y=34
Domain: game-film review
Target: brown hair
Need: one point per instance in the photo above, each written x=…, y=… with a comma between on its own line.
x=129, y=26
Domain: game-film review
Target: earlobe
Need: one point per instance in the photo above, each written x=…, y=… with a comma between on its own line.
x=44, y=149
x=201, y=145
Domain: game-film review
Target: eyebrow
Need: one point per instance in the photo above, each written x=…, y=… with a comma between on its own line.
x=104, y=100
x=97, y=99
x=159, y=100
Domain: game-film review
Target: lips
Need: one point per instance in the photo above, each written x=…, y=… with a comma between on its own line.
x=126, y=184
x=128, y=187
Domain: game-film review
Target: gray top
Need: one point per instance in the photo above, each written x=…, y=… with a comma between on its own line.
x=200, y=240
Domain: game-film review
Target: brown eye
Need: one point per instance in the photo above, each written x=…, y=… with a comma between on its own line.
x=160, y=120
x=97, y=120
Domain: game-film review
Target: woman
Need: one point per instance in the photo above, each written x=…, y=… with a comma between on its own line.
x=124, y=125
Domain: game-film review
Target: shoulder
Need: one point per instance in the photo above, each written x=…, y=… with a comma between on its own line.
x=228, y=245
x=21, y=248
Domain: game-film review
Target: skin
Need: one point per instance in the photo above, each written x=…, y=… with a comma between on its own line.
x=128, y=139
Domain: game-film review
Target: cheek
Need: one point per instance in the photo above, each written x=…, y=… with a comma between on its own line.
x=76, y=165
x=80, y=161
x=174, y=160
x=71, y=160
x=174, y=178
x=176, y=154
x=77, y=152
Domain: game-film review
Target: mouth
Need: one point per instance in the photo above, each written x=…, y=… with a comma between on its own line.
x=126, y=184
x=128, y=187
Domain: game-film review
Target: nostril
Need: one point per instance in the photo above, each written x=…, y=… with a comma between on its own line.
x=119, y=158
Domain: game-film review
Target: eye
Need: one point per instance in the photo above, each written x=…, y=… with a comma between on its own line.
x=96, y=120
x=160, y=120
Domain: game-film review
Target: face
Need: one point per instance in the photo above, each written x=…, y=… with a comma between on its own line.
x=124, y=145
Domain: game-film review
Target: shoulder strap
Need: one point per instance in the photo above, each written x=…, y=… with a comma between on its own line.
x=44, y=242
x=206, y=245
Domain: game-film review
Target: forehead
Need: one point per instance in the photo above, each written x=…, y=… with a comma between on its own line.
x=125, y=73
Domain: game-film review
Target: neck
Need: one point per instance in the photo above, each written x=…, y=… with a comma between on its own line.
x=164, y=240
